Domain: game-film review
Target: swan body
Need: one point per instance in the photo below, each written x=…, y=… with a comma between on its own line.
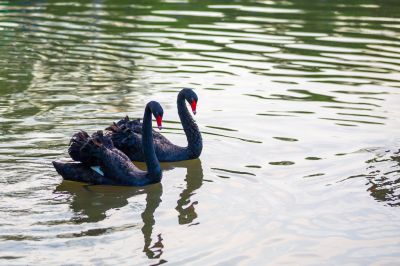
x=116, y=167
x=126, y=135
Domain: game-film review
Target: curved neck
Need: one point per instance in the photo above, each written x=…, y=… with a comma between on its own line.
x=192, y=132
x=150, y=158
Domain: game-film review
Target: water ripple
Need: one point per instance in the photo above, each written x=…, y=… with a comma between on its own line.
x=288, y=90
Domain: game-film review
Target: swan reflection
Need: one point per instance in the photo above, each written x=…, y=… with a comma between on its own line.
x=90, y=203
x=194, y=179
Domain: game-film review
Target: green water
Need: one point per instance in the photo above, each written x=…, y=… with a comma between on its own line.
x=298, y=107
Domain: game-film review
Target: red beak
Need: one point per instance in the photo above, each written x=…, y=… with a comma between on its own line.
x=159, y=122
x=193, y=105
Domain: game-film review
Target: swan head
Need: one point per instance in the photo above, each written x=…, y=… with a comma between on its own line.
x=157, y=112
x=191, y=98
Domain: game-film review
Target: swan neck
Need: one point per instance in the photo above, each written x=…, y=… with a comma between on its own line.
x=190, y=127
x=150, y=158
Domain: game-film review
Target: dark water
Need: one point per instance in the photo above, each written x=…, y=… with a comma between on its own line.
x=299, y=109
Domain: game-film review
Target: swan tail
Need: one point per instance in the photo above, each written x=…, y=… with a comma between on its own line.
x=74, y=171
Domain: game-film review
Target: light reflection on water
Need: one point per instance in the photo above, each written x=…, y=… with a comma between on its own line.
x=298, y=106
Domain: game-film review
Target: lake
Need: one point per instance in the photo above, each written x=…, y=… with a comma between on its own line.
x=299, y=109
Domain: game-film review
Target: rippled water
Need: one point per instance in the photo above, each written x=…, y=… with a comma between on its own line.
x=298, y=106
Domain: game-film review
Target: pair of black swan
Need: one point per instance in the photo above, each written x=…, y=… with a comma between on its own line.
x=131, y=140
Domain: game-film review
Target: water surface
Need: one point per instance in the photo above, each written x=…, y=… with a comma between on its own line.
x=298, y=107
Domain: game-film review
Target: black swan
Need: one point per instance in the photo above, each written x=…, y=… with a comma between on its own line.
x=126, y=135
x=116, y=167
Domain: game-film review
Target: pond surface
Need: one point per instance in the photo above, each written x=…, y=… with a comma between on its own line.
x=298, y=107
